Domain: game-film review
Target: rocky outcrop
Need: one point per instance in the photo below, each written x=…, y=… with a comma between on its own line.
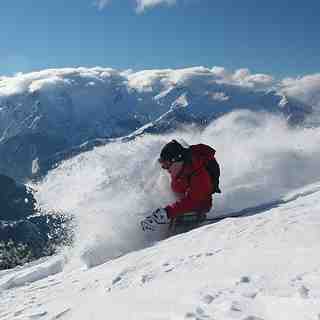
x=22, y=223
x=16, y=200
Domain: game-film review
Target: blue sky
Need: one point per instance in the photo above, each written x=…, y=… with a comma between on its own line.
x=274, y=37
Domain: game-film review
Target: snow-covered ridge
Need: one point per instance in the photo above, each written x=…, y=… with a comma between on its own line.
x=306, y=88
x=45, y=112
x=146, y=80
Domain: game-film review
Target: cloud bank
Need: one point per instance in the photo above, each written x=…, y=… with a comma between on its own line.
x=305, y=89
x=51, y=79
x=243, y=77
x=147, y=79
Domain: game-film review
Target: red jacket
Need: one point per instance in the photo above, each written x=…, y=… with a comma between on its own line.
x=193, y=184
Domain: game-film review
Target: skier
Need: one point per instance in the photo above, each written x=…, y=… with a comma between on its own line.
x=194, y=178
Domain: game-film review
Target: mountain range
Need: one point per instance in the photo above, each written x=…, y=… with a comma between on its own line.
x=49, y=115
x=93, y=142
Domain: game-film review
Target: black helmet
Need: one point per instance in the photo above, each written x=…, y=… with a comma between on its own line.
x=172, y=152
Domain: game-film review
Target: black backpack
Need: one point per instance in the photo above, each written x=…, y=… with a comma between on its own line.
x=213, y=168
x=214, y=172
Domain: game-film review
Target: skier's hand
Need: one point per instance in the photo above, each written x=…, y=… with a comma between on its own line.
x=157, y=217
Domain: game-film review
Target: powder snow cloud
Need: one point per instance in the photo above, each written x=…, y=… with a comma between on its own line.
x=119, y=183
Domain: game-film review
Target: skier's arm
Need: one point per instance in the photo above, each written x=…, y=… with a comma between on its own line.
x=197, y=197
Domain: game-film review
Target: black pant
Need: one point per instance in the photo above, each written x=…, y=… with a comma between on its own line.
x=186, y=222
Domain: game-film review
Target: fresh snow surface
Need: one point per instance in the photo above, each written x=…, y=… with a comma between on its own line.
x=261, y=266
x=264, y=266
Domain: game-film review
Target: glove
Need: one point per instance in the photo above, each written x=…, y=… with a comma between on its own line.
x=157, y=217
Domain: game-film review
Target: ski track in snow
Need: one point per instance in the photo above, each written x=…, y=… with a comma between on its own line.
x=258, y=267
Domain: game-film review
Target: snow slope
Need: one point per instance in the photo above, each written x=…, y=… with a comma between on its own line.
x=264, y=266
x=261, y=266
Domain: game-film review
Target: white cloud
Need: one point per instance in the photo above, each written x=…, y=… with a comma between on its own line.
x=220, y=72
x=101, y=4
x=54, y=78
x=241, y=74
x=243, y=77
x=142, y=5
x=306, y=89
x=164, y=79
x=198, y=77
x=50, y=83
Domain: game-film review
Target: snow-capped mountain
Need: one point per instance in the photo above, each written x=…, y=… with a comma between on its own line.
x=263, y=265
x=43, y=113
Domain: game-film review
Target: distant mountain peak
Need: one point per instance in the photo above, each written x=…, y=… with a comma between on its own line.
x=69, y=106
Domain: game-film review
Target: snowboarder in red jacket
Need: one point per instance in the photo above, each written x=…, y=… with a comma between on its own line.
x=190, y=181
